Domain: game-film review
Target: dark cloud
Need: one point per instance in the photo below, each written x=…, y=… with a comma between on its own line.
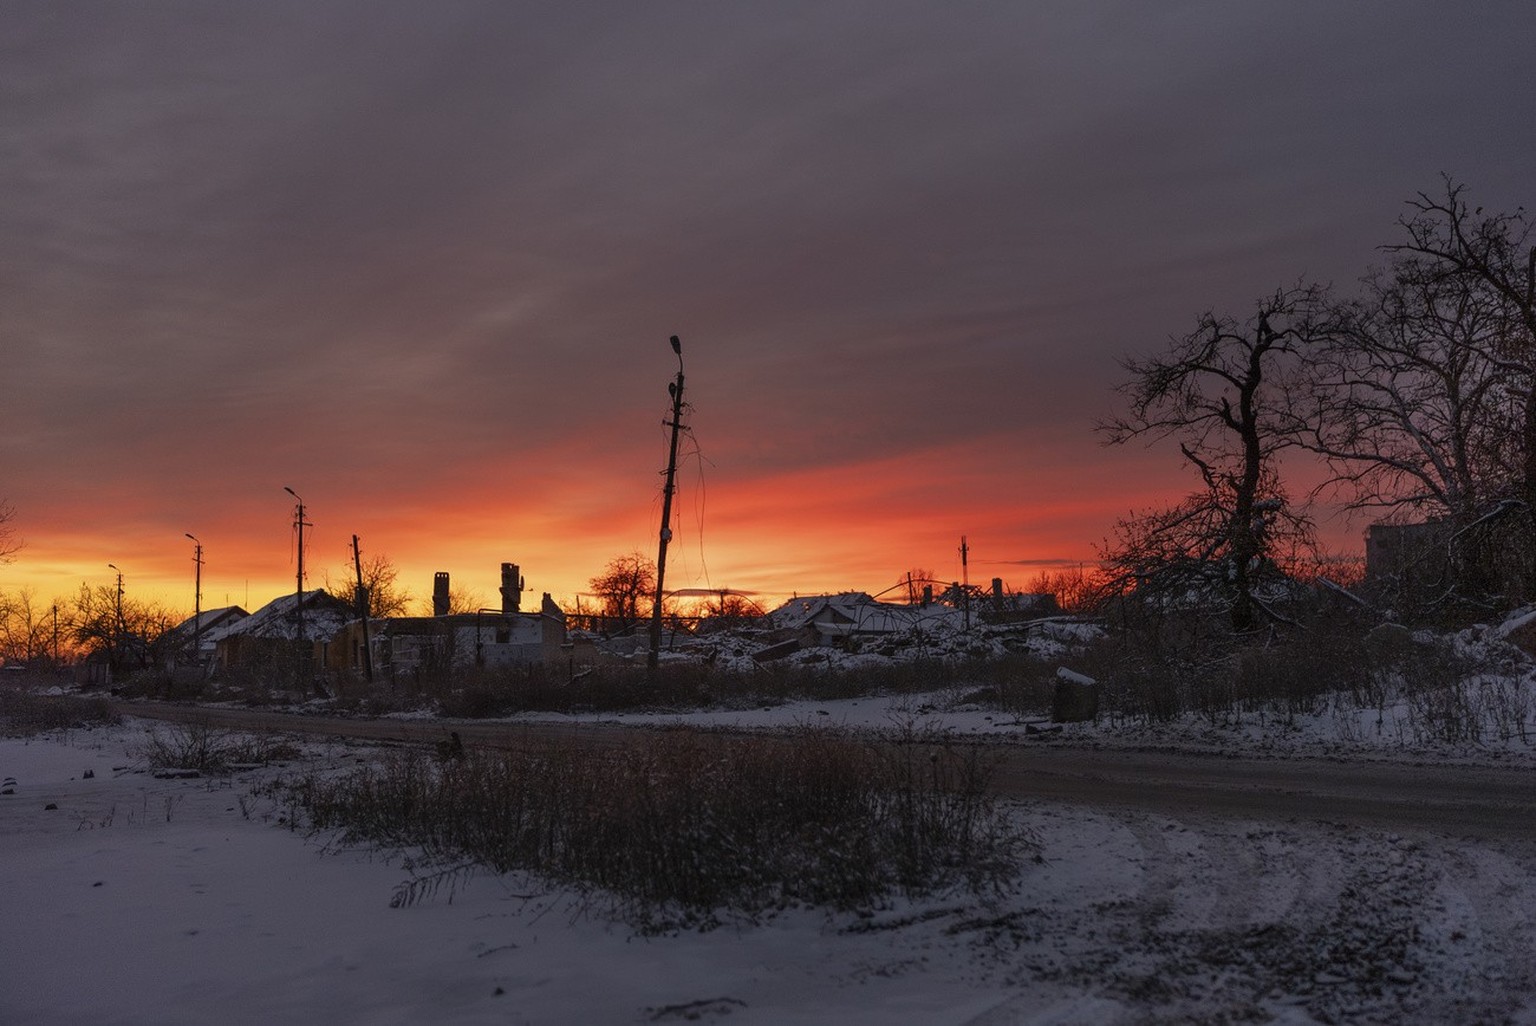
x=339, y=239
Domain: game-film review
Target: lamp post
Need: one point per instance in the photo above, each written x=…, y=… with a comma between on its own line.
x=117, y=627
x=197, y=599
x=298, y=592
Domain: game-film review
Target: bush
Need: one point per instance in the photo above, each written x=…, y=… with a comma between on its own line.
x=180, y=685
x=677, y=827
x=197, y=746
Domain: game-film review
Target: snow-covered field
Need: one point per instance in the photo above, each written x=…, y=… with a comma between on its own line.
x=137, y=900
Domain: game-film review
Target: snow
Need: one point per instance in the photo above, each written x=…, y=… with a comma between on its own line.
x=139, y=900
x=1339, y=730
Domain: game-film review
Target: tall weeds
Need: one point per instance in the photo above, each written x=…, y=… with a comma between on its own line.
x=680, y=827
x=23, y=713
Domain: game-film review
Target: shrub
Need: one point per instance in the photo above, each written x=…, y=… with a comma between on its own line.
x=180, y=685
x=197, y=746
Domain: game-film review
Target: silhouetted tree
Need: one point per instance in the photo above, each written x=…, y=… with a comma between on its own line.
x=30, y=631
x=464, y=600
x=386, y=596
x=1076, y=591
x=133, y=633
x=1491, y=257
x=625, y=590
x=1220, y=393
x=1409, y=402
x=910, y=584
x=9, y=543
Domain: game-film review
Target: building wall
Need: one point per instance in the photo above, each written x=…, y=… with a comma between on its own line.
x=423, y=644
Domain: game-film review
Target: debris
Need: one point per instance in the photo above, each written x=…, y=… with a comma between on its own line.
x=779, y=651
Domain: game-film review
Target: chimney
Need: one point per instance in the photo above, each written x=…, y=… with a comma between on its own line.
x=440, y=593
x=997, y=590
x=511, y=588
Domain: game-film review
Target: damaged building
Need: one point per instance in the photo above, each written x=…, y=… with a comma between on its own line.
x=411, y=646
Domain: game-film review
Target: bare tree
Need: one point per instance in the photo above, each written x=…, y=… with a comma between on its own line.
x=1075, y=589
x=1497, y=252
x=9, y=543
x=624, y=590
x=28, y=631
x=133, y=634
x=1220, y=393
x=464, y=600
x=911, y=584
x=381, y=577
x=1410, y=402
x=1459, y=245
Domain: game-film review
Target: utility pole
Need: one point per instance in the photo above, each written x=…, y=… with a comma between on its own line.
x=298, y=594
x=965, y=581
x=676, y=389
x=118, y=627
x=197, y=601
x=363, y=604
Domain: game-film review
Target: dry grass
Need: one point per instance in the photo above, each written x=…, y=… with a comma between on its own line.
x=200, y=747
x=681, y=828
x=23, y=713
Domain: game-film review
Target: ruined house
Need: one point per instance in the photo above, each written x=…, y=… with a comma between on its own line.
x=194, y=640
x=409, y=646
x=292, y=630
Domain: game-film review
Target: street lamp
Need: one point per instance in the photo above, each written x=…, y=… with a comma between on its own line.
x=197, y=599
x=118, y=628
x=298, y=591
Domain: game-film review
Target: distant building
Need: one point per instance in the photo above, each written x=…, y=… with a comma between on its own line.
x=829, y=619
x=1427, y=562
x=286, y=629
x=1406, y=553
x=201, y=630
x=409, y=646
x=488, y=639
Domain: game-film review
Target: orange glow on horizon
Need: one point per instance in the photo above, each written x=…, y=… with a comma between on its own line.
x=828, y=528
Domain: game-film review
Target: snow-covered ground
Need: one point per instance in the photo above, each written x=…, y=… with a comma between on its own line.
x=1340, y=731
x=137, y=900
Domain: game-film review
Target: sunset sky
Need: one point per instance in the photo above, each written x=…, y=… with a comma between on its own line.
x=420, y=261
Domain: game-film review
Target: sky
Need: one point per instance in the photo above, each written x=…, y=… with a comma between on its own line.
x=420, y=263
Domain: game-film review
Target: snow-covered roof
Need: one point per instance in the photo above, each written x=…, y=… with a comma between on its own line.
x=855, y=612
x=209, y=618
x=324, y=615
x=799, y=611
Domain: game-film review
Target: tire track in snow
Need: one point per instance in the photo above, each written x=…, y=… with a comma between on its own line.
x=1485, y=902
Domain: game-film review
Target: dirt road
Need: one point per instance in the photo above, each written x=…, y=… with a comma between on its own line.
x=1482, y=802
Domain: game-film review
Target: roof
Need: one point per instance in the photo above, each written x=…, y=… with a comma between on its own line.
x=799, y=611
x=856, y=613
x=324, y=615
x=209, y=618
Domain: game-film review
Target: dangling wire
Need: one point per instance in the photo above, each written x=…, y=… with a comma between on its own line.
x=700, y=501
